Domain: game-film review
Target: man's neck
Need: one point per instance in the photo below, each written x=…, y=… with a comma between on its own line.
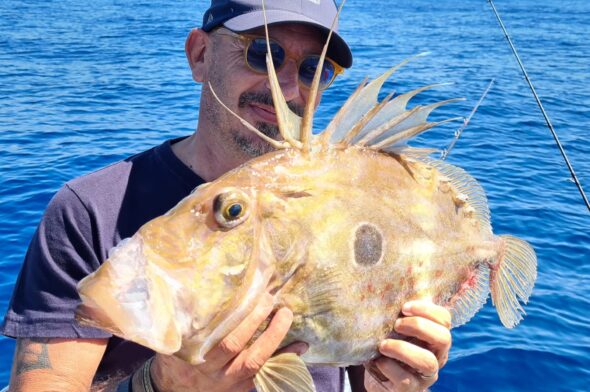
x=204, y=157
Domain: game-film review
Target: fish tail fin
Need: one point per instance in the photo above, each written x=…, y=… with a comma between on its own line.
x=512, y=279
x=284, y=373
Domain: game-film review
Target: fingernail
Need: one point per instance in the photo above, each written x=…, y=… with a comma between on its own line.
x=397, y=323
x=300, y=348
x=407, y=308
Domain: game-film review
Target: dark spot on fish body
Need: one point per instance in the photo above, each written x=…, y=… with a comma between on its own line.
x=368, y=245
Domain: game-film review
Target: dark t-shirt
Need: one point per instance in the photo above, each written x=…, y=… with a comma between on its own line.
x=86, y=218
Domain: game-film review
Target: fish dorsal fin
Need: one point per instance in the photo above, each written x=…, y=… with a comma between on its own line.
x=284, y=373
x=364, y=120
x=409, y=126
x=395, y=108
x=358, y=105
x=414, y=152
x=392, y=142
x=289, y=123
x=307, y=123
x=469, y=190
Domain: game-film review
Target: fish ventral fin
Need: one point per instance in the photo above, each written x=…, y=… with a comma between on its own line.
x=284, y=373
x=512, y=279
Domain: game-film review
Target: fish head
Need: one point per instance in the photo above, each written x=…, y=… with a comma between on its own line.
x=187, y=278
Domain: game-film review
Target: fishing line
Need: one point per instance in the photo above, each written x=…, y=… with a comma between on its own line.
x=526, y=76
x=445, y=153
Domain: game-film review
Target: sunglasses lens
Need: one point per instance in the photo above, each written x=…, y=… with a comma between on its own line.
x=256, y=55
x=310, y=65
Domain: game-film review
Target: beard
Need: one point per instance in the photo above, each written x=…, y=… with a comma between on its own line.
x=252, y=145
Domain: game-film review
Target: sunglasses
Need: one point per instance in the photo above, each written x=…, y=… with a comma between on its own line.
x=255, y=57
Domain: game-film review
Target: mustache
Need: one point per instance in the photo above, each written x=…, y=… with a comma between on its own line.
x=266, y=99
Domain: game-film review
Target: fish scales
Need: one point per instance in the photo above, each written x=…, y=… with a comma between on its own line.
x=343, y=227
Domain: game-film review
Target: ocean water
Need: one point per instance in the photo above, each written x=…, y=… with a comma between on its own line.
x=84, y=84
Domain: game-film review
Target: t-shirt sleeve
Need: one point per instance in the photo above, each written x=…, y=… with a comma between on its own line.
x=63, y=250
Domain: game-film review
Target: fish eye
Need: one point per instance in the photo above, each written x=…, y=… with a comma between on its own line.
x=230, y=208
x=234, y=211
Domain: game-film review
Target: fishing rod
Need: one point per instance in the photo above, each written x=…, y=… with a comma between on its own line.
x=526, y=76
x=445, y=153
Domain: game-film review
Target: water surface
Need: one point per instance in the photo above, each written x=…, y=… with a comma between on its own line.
x=85, y=84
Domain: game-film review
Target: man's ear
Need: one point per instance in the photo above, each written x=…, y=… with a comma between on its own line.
x=194, y=47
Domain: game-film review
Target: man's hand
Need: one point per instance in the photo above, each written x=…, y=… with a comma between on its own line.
x=409, y=367
x=231, y=365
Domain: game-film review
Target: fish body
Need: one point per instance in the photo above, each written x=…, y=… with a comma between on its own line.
x=343, y=227
x=344, y=237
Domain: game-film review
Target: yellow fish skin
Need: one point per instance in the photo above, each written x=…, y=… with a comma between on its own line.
x=343, y=237
x=343, y=227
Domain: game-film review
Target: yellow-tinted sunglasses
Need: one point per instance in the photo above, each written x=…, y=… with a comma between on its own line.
x=255, y=57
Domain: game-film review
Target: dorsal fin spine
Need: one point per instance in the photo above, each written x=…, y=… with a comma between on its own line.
x=307, y=123
x=364, y=120
x=358, y=104
x=409, y=133
x=324, y=137
x=369, y=137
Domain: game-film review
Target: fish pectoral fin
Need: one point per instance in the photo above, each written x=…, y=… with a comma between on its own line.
x=512, y=279
x=284, y=373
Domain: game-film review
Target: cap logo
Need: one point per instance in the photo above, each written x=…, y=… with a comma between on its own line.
x=315, y=1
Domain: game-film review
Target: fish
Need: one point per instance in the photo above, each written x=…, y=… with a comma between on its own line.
x=343, y=227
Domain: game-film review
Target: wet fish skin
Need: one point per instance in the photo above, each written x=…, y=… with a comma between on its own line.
x=343, y=227
x=305, y=214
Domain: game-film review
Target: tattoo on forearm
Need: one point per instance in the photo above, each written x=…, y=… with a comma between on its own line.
x=32, y=354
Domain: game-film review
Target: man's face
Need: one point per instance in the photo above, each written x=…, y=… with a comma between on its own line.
x=247, y=92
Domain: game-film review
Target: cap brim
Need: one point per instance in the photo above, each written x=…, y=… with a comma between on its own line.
x=337, y=51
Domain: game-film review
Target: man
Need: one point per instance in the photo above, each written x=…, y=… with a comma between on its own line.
x=89, y=215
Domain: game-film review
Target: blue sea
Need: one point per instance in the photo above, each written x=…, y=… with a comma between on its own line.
x=85, y=84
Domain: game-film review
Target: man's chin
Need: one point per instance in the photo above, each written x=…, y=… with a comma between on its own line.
x=252, y=145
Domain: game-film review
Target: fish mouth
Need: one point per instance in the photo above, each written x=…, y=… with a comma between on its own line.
x=264, y=112
x=88, y=314
x=129, y=299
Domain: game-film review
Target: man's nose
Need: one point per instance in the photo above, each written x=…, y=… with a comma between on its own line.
x=289, y=80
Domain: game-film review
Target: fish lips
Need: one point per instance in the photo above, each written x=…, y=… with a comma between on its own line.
x=118, y=299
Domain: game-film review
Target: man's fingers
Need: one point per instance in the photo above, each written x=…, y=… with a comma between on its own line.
x=401, y=379
x=435, y=335
x=428, y=310
x=372, y=384
x=249, y=362
x=298, y=348
x=235, y=342
x=421, y=360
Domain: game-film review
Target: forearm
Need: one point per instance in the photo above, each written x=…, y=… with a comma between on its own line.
x=66, y=365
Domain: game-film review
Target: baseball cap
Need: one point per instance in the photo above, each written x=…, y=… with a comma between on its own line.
x=243, y=15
